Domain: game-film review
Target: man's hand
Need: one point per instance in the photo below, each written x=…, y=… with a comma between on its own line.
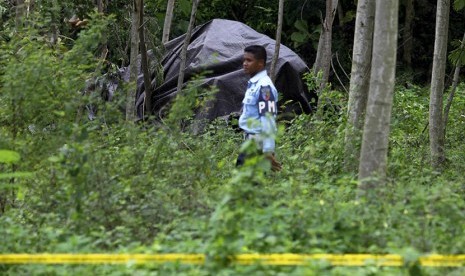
x=275, y=165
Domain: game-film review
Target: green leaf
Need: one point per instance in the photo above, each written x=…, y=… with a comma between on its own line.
x=55, y=159
x=59, y=113
x=15, y=175
x=301, y=25
x=298, y=37
x=9, y=156
x=459, y=5
x=457, y=57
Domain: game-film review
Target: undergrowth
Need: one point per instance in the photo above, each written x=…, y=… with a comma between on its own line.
x=110, y=186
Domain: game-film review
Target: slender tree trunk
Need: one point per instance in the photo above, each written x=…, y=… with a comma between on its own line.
x=278, y=41
x=407, y=38
x=455, y=82
x=55, y=22
x=451, y=97
x=373, y=158
x=359, y=82
x=30, y=7
x=340, y=13
x=323, y=58
x=436, y=122
x=19, y=16
x=100, y=6
x=144, y=61
x=182, y=66
x=168, y=20
x=133, y=68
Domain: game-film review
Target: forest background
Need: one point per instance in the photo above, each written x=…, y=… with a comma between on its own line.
x=73, y=185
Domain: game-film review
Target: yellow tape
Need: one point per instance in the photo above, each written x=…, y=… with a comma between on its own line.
x=241, y=259
x=443, y=260
x=333, y=259
x=100, y=258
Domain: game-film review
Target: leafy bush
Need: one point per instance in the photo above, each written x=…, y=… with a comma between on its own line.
x=111, y=186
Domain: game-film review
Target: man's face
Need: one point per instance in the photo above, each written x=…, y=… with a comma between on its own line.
x=251, y=65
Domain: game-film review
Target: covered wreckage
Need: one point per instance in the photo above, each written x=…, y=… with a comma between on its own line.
x=217, y=48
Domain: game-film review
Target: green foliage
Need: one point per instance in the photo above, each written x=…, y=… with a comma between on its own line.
x=3, y=9
x=457, y=56
x=9, y=190
x=108, y=186
x=313, y=80
x=104, y=186
x=458, y=5
x=8, y=156
x=119, y=188
x=189, y=101
x=302, y=35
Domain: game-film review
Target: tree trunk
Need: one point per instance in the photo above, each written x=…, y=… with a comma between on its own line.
x=101, y=9
x=436, y=122
x=373, y=158
x=55, y=22
x=168, y=20
x=407, y=38
x=359, y=82
x=30, y=7
x=144, y=61
x=455, y=82
x=187, y=39
x=323, y=57
x=133, y=68
x=451, y=97
x=100, y=6
x=278, y=41
x=19, y=16
x=340, y=13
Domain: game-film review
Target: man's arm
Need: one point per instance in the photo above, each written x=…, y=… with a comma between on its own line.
x=268, y=125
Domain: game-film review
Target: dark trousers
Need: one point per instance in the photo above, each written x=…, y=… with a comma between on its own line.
x=241, y=159
x=243, y=156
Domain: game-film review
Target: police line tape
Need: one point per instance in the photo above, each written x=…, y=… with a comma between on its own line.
x=240, y=259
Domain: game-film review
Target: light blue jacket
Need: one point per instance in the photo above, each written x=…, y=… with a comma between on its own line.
x=259, y=109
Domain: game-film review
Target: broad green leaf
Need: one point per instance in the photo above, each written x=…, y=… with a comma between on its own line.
x=20, y=194
x=9, y=156
x=301, y=25
x=459, y=5
x=298, y=37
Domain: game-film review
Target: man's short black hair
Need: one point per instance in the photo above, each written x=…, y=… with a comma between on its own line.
x=258, y=51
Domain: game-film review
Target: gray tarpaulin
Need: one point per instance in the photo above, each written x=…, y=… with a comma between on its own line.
x=218, y=47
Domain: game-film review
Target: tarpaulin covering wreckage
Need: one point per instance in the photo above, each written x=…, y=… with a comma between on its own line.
x=217, y=48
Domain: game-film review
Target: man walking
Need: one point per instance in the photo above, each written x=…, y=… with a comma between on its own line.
x=258, y=118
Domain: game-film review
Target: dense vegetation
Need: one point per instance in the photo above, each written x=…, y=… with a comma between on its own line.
x=301, y=26
x=69, y=185
x=109, y=186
